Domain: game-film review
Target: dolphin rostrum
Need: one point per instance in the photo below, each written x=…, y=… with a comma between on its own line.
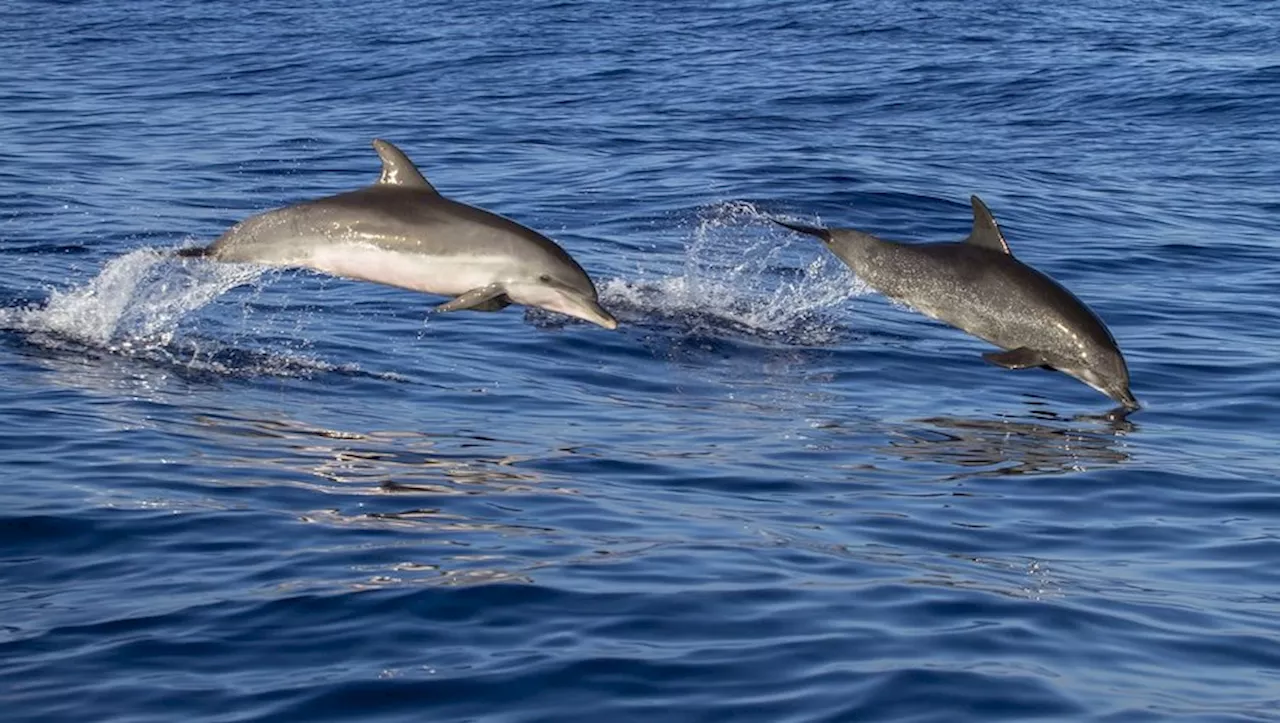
x=400, y=231
x=977, y=286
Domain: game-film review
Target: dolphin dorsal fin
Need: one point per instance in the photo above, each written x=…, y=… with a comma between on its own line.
x=397, y=169
x=985, y=231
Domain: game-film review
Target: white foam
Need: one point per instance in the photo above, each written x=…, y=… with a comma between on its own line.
x=134, y=308
x=731, y=279
x=135, y=302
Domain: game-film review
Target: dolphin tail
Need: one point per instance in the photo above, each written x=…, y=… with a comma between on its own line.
x=193, y=252
x=822, y=233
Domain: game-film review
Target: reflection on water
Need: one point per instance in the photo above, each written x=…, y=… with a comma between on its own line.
x=463, y=537
x=1009, y=446
x=378, y=461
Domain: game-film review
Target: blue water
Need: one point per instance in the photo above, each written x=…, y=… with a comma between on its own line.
x=232, y=494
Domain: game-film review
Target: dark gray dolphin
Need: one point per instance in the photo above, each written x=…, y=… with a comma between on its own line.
x=400, y=231
x=977, y=286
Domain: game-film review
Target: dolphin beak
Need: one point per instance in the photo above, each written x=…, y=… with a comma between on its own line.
x=580, y=306
x=597, y=315
x=1125, y=397
x=580, y=303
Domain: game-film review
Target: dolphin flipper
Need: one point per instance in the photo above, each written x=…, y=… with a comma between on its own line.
x=1020, y=358
x=486, y=298
x=497, y=304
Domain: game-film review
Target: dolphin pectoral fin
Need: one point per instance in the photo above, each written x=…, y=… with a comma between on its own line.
x=1020, y=358
x=495, y=304
x=486, y=298
x=985, y=232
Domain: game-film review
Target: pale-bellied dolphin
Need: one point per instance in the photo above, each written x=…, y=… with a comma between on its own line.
x=977, y=286
x=400, y=231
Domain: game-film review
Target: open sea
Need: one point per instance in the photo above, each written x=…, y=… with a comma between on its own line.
x=229, y=493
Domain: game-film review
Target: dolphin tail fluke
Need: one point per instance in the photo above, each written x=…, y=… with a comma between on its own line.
x=194, y=252
x=822, y=233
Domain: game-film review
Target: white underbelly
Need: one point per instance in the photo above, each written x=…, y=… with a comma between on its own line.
x=445, y=275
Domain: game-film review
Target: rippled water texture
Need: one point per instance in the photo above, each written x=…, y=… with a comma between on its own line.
x=239, y=494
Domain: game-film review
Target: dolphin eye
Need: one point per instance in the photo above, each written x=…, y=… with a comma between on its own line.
x=546, y=279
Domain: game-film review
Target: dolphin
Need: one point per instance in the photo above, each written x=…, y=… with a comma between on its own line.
x=977, y=286
x=400, y=231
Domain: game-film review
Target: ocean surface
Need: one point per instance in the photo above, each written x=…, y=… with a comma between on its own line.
x=237, y=494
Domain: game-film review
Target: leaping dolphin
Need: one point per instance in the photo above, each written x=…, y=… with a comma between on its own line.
x=977, y=286
x=400, y=231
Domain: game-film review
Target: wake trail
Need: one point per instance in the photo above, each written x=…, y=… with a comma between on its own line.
x=742, y=277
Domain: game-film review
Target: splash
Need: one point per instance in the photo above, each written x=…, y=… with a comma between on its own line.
x=740, y=276
x=134, y=309
x=135, y=303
